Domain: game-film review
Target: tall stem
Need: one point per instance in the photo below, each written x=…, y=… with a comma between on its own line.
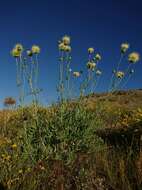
x=21, y=99
x=126, y=72
x=96, y=82
x=113, y=80
x=92, y=81
x=36, y=77
x=61, y=85
x=36, y=70
x=126, y=81
x=68, y=75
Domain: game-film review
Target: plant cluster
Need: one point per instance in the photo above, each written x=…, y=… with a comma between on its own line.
x=57, y=147
x=27, y=66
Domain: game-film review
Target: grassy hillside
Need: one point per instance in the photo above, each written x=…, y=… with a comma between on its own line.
x=130, y=99
x=57, y=147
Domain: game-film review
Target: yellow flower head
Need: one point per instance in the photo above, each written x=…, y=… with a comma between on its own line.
x=14, y=146
x=67, y=48
x=90, y=50
x=124, y=47
x=6, y=157
x=133, y=57
x=35, y=49
x=20, y=171
x=15, y=53
x=98, y=72
x=98, y=57
x=91, y=65
x=28, y=169
x=19, y=47
x=3, y=155
x=66, y=40
x=120, y=74
x=76, y=74
x=29, y=53
x=62, y=46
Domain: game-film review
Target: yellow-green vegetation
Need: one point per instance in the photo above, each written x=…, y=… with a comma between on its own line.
x=123, y=108
x=57, y=147
x=35, y=136
x=50, y=148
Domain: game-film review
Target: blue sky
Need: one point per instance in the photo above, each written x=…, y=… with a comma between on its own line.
x=102, y=24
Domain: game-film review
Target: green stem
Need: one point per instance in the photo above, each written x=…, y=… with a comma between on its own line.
x=127, y=70
x=68, y=75
x=17, y=72
x=36, y=77
x=97, y=81
x=92, y=81
x=126, y=81
x=113, y=80
x=61, y=85
x=21, y=99
x=36, y=71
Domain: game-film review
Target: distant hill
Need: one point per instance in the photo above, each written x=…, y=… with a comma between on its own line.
x=130, y=99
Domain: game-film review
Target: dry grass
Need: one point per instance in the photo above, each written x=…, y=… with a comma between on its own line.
x=91, y=167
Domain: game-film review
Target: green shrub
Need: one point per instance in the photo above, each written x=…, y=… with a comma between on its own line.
x=69, y=130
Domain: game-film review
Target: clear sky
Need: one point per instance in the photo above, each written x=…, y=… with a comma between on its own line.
x=103, y=24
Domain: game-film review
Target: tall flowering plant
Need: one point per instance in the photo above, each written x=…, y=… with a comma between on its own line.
x=119, y=77
x=26, y=71
x=93, y=73
x=64, y=67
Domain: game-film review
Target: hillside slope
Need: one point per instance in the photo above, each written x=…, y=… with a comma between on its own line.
x=130, y=99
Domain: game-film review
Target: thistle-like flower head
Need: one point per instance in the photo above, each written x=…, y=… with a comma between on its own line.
x=19, y=47
x=124, y=47
x=15, y=53
x=61, y=46
x=120, y=74
x=35, y=49
x=90, y=50
x=76, y=74
x=91, y=65
x=133, y=57
x=66, y=40
x=67, y=48
x=98, y=57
